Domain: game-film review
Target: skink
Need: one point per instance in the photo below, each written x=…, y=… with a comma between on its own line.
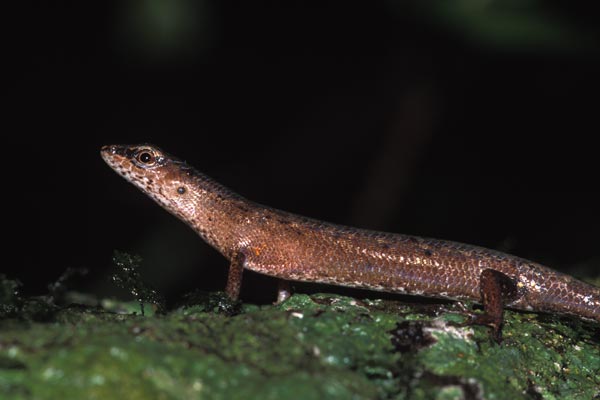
x=295, y=248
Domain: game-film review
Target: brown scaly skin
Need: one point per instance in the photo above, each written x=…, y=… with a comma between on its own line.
x=292, y=247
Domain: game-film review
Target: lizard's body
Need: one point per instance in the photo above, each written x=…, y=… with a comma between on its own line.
x=292, y=247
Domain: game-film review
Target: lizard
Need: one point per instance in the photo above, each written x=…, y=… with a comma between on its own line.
x=291, y=247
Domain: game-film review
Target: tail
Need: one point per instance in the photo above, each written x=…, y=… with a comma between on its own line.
x=566, y=295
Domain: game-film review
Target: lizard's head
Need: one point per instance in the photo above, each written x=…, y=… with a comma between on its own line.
x=164, y=178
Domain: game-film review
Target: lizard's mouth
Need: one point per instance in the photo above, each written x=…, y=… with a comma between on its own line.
x=115, y=157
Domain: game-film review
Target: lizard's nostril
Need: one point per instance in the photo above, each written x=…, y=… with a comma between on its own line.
x=109, y=149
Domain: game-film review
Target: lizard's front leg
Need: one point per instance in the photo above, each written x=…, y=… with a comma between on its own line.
x=234, y=278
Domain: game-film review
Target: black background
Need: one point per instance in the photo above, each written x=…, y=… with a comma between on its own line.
x=476, y=125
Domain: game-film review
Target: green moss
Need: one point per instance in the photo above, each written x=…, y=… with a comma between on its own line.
x=310, y=347
x=127, y=276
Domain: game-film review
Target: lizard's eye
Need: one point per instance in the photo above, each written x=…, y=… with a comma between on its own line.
x=145, y=158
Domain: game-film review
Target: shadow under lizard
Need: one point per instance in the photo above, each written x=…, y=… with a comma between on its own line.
x=296, y=248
